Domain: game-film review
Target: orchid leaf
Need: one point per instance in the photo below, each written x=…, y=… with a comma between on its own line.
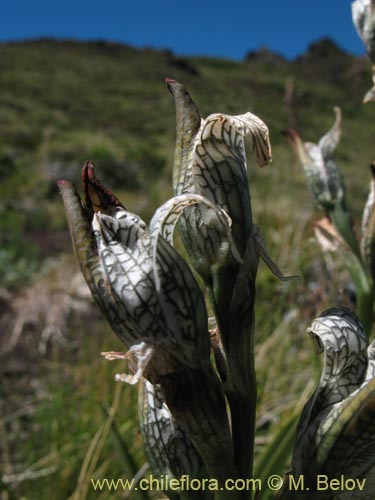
x=183, y=304
x=346, y=439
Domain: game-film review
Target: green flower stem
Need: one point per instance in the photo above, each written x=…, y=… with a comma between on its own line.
x=341, y=219
x=241, y=392
x=233, y=296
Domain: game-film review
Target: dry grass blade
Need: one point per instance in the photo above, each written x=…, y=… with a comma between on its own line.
x=94, y=451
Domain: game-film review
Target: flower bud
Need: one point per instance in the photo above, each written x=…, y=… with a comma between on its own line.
x=336, y=432
x=210, y=161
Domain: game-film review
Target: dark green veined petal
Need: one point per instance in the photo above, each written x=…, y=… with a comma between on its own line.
x=346, y=439
x=188, y=122
x=168, y=448
x=85, y=247
x=155, y=285
x=207, y=252
x=166, y=217
x=339, y=334
x=145, y=289
x=210, y=161
x=172, y=310
x=344, y=445
x=219, y=171
x=123, y=249
x=338, y=413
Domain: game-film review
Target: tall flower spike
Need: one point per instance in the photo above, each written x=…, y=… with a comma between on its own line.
x=336, y=432
x=210, y=161
x=168, y=448
x=363, y=12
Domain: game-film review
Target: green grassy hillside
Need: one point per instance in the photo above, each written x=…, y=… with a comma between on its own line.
x=62, y=102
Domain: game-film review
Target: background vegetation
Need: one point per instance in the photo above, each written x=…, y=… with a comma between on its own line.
x=63, y=102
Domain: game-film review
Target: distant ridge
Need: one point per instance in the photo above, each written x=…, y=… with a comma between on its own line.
x=321, y=47
x=107, y=100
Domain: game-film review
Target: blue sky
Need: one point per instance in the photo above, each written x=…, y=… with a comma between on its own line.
x=216, y=28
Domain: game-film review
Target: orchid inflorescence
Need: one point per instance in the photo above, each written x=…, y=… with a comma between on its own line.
x=198, y=417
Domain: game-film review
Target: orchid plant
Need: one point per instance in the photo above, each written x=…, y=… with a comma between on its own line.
x=336, y=432
x=197, y=411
